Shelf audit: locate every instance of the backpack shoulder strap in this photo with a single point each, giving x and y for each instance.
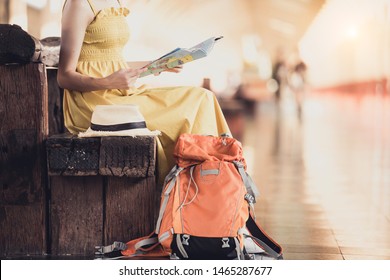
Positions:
(264, 241)
(144, 246)
(249, 184)
(110, 251)
(171, 179)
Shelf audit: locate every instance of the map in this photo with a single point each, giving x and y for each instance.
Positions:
(180, 56)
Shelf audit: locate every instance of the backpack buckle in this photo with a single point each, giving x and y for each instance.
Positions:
(116, 246)
(225, 242)
(185, 239)
(249, 198)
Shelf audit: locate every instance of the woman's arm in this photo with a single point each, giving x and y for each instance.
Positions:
(76, 17)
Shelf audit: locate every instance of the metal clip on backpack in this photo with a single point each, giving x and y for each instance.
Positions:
(206, 209)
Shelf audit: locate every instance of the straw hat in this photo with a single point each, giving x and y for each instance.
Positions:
(117, 120)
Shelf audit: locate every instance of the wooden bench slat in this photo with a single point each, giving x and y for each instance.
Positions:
(70, 155)
(127, 156)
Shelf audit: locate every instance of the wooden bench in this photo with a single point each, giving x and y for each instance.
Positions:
(102, 190)
(62, 195)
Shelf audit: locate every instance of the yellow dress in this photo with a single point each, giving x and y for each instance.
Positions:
(172, 110)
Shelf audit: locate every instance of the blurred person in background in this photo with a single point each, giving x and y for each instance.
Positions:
(279, 74)
(297, 83)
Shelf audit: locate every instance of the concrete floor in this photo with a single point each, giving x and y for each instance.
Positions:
(324, 179)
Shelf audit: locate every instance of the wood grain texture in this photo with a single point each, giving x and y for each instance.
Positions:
(127, 156)
(133, 157)
(56, 114)
(22, 230)
(69, 155)
(23, 129)
(131, 208)
(76, 214)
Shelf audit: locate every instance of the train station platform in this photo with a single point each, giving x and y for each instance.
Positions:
(324, 180)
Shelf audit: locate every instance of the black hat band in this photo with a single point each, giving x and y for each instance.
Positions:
(118, 127)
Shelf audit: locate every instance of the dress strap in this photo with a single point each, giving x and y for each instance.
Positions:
(90, 4)
(63, 6)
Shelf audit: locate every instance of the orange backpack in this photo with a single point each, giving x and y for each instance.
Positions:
(206, 209)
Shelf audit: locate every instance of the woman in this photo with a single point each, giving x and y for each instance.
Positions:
(93, 72)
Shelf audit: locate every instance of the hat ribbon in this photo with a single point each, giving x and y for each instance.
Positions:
(118, 127)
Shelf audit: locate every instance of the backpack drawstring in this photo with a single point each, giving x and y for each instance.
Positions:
(188, 189)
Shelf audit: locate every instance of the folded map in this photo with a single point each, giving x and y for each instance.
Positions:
(180, 56)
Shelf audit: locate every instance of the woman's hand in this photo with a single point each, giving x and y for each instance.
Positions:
(176, 69)
(123, 79)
